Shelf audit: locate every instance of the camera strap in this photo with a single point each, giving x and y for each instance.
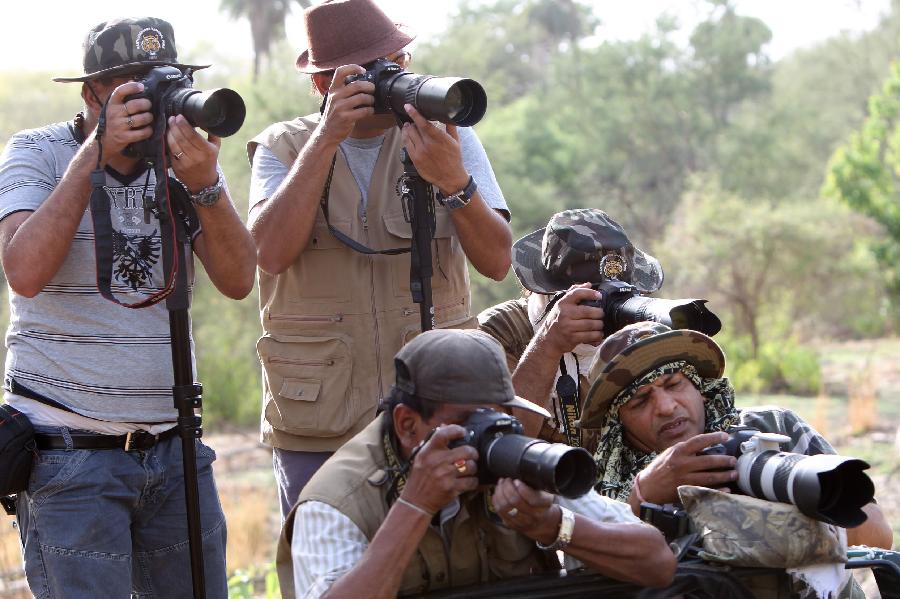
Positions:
(162, 207)
(568, 393)
(345, 239)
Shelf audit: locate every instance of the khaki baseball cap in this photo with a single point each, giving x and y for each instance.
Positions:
(458, 366)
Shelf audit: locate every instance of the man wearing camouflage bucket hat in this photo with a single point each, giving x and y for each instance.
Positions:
(103, 511)
(658, 397)
(549, 337)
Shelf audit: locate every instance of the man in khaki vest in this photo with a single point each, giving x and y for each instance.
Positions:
(333, 318)
(398, 508)
(549, 337)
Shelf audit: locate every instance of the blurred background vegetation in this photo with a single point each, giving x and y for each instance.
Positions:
(764, 186)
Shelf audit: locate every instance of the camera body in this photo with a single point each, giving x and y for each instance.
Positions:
(830, 488)
(671, 520)
(219, 111)
(623, 304)
(377, 71)
(504, 452)
(450, 100)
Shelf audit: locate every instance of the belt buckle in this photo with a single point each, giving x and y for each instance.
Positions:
(138, 440)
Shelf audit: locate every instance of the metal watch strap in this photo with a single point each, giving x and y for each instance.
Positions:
(208, 195)
(460, 198)
(566, 528)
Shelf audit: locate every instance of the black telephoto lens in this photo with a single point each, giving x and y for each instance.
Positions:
(218, 111)
(554, 467)
(450, 100)
(674, 313)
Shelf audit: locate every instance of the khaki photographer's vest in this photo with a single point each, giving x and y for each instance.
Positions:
(334, 319)
(354, 482)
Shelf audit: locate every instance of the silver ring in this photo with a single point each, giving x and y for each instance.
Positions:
(178, 155)
(513, 512)
(130, 123)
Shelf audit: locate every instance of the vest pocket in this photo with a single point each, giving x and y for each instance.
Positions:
(307, 384)
(400, 235)
(319, 273)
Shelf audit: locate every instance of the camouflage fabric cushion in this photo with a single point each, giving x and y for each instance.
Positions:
(745, 531)
(583, 245)
(127, 45)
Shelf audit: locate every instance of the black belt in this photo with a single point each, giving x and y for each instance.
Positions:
(134, 441)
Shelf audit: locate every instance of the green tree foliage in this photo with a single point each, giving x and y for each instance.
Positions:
(774, 271)
(866, 173)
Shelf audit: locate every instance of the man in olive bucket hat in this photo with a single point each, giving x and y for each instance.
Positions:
(103, 512)
(658, 397)
(321, 186)
(549, 338)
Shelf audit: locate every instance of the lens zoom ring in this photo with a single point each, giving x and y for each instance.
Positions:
(783, 475)
(756, 470)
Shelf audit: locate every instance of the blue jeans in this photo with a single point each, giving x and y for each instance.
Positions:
(110, 523)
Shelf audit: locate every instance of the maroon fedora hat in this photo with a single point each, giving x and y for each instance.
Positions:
(340, 32)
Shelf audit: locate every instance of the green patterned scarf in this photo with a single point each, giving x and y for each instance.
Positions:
(618, 463)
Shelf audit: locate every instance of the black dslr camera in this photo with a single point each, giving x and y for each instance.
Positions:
(623, 304)
(827, 487)
(451, 100)
(219, 111)
(504, 452)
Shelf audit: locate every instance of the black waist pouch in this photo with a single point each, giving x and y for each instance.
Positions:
(17, 450)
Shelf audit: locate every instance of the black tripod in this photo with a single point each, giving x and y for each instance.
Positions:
(417, 196)
(187, 396)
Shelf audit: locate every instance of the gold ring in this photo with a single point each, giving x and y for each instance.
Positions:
(178, 155)
(513, 512)
(130, 123)
(460, 466)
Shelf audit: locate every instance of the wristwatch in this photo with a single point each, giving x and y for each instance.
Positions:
(566, 527)
(459, 199)
(208, 195)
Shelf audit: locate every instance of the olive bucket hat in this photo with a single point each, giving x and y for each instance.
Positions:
(583, 245)
(637, 349)
(124, 46)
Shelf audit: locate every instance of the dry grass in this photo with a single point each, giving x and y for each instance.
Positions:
(862, 403)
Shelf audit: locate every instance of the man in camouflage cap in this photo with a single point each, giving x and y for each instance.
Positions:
(104, 510)
(548, 335)
(658, 397)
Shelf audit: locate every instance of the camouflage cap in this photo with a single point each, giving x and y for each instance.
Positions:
(123, 46)
(637, 349)
(458, 366)
(583, 245)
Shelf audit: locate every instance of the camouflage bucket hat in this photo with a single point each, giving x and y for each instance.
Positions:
(583, 245)
(637, 349)
(128, 45)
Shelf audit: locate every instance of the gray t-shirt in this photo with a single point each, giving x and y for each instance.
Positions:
(68, 343)
(361, 154)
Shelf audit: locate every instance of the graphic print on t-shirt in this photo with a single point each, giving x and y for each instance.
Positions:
(134, 257)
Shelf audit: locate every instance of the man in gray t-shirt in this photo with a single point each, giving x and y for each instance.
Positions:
(316, 296)
(103, 512)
